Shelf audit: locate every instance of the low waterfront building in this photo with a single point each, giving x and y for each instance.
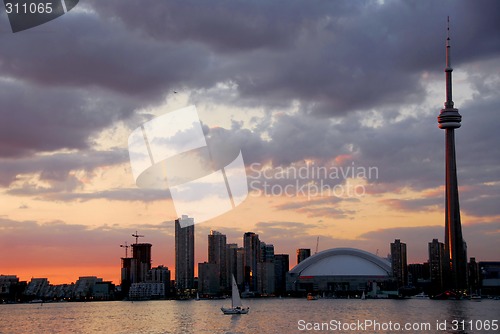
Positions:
(146, 290)
(37, 288)
(489, 275)
(84, 287)
(103, 291)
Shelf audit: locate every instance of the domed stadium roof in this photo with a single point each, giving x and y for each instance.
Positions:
(343, 262)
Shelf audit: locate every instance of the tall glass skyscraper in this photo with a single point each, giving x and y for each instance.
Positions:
(184, 253)
(251, 243)
(399, 262)
(217, 256)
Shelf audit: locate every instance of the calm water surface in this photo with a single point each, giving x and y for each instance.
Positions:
(266, 316)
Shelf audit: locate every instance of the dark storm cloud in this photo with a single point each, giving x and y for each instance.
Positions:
(225, 26)
(88, 52)
(56, 167)
(96, 67)
(61, 87)
(331, 56)
(402, 152)
(481, 200)
(36, 119)
(478, 151)
(406, 153)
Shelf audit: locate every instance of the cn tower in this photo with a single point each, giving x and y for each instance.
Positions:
(449, 119)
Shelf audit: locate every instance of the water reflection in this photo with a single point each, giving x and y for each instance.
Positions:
(266, 316)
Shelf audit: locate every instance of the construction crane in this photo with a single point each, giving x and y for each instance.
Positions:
(126, 249)
(317, 245)
(137, 236)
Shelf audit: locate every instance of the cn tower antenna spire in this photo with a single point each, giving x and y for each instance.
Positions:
(448, 43)
(449, 99)
(448, 33)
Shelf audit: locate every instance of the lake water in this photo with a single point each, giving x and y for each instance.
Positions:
(281, 316)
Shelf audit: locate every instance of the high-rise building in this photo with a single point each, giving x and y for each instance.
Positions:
(438, 265)
(419, 273)
(302, 254)
(140, 262)
(399, 262)
(184, 253)
(265, 278)
(251, 244)
(265, 269)
(126, 275)
(281, 267)
(473, 275)
(160, 274)
(266, 252)
(449, 119)
(208, 278)
(240, 266)
(231, 263)
(217, 256)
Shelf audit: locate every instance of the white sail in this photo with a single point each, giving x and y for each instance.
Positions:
(235, 297)
(236, 305)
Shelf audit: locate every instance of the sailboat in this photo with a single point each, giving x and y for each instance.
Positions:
(236, 305)
(363, 297)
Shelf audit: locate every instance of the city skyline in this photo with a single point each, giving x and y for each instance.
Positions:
(139, 262)
(337, 276)
(341, 87)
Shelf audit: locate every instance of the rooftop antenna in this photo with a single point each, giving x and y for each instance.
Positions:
(137, 236)
(126, 249)
(317, 245)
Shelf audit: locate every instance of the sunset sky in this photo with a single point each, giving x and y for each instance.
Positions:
(339, 85)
